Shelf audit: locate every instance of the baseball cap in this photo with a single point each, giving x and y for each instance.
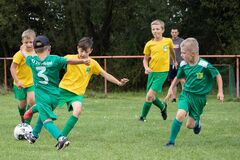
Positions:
(40, 41)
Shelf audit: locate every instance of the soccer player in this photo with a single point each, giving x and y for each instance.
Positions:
(75, 81)
(45, 69)
(156, 62)
(199, 76)
(22, 75)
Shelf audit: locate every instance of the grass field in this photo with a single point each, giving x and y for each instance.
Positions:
(108, 129)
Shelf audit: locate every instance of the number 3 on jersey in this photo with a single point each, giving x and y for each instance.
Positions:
(41, 70)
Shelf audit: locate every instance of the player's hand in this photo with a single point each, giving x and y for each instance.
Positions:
(19, 85)
(220, 97)
(123, 81)
(23, 48)
(148, 70)
(169, 94)
(86, 61)
(175, 65)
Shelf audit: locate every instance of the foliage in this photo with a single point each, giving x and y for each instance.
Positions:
(120, 27)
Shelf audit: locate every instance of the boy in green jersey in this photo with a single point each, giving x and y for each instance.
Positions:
(199, 76)
(75, 81)
(45, 69)
(156, 61)
(23, 86)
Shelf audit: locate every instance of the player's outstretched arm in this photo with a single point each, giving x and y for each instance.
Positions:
(114, 80)
(220, 95)
(78, 61)
(170, 90)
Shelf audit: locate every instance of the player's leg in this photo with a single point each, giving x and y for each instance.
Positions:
(32, 137)
(176, 126)
(157, 85)
(22, 108)
(195, 111)
(20, 95)
(194, 124)
(183, 109)
(31, 102)
(77, 109)
(147, 104)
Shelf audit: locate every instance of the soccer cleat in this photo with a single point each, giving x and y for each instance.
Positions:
(28, 114)
(197, 129)
(141, 119)
(63, 142)
(164, 111)
(169, 145)
(30, 138)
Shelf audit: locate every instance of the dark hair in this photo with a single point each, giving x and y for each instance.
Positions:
(175, 28)
(85, 42)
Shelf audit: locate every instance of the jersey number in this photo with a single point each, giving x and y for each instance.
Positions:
(40, 74)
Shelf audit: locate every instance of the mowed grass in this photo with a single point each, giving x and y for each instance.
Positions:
(108, 129)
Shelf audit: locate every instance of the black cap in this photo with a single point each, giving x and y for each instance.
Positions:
(41, 41)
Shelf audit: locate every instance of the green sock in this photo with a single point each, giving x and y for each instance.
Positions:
(30, 119)
(176, 125)
(146, 108)
(37, 128)
(21, 113)
(52, 129)
(69, 125)
(196, 123)
(34, 109)
(158, 103)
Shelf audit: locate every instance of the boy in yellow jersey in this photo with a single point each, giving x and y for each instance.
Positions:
(23, 81)
(75, 81)
(156, 62)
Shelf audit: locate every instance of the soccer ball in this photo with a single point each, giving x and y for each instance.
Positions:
(21, 129)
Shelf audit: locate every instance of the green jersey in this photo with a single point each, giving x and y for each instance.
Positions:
(199, 78)
(46, 73)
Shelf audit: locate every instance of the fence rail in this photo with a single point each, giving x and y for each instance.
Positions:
(236, 57)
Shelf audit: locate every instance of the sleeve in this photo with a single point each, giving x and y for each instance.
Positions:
(96, 68)
(212, 70)
(147, 50)
(171, 45)
(62, 62)
(18, 57)
(180, 73)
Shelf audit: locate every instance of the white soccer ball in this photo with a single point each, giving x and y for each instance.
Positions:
(21, 129)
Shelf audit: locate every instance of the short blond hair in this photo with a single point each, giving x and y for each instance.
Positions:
(191, 45)
(158, 22)
(29, 33)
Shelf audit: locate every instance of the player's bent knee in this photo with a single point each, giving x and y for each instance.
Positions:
(180, 116)
(77, 111)
(190, 125)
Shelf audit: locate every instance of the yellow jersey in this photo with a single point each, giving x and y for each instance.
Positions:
(159, 52)
(77, 77)
(23, 71)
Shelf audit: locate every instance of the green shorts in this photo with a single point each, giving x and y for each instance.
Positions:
(192, 103)
(68, 98)
(46, 103)
(21, 94)
(156, 81)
